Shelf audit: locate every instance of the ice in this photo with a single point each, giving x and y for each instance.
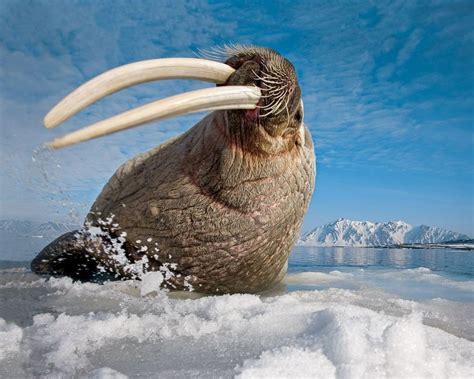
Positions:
(416, 284)
(425, 275)
(315, 278)
(60, 328)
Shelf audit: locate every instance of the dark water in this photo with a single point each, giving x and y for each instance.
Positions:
(444, 260)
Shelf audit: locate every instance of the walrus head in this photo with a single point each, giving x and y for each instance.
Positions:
(257, 86)
(279, 112)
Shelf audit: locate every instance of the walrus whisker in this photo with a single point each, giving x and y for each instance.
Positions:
(268, 76)
(274, 90)
(134, 73)
(287, 110)
(267, 97)
(287, 114)
(273, 95)
(274, 85)
(272, 110)
(270, 80)
(273, 106)
(276, 93)
(228, 97)
(264, 77)
(277, 85)
(273, 103)
(279, 109)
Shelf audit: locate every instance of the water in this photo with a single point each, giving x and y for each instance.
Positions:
(341, 313)
(443, 260)
(412, 274)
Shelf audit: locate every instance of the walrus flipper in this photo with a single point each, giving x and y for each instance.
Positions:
(68, 255)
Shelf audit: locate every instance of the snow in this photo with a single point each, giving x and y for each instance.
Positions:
(350, 327)
(106, 373)
(354, 343)
(10, 337)
(284, 362)
(345, 232)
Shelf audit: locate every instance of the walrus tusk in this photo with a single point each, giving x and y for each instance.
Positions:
(134, 73)
(227, 97)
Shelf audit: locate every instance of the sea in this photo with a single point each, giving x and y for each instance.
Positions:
(340, 313)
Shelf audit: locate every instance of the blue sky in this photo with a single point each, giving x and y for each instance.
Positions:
(387, 86)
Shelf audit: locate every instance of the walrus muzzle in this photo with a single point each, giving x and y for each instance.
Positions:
(216, 209)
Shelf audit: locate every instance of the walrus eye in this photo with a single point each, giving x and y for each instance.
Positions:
(300, 113)
(298, 117)
(208, 99)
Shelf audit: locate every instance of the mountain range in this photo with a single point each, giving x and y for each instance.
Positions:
(344, 232)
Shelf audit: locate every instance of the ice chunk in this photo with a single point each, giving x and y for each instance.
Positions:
(151, 282)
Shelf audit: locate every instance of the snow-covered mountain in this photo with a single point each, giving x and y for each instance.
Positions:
(343, 232)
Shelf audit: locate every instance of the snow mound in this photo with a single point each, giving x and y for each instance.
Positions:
(350, 342)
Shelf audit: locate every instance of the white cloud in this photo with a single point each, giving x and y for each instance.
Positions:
(407, 50)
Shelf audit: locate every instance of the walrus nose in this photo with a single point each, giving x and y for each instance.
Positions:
(209, 99)
(246, 73)
(276, 88)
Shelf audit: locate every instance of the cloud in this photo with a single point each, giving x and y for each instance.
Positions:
(407, 50)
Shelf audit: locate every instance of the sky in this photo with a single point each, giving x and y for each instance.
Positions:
(388, 88)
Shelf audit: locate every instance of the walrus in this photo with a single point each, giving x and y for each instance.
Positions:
(216, 209)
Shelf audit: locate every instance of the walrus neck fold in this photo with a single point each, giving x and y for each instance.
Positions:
(219, 161)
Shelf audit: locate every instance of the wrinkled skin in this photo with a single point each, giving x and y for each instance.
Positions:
(220, 206)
